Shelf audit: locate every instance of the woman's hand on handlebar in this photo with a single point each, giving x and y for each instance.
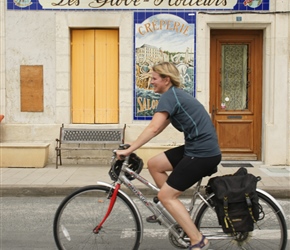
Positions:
(121, 154)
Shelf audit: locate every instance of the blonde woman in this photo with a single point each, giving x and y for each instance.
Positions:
(198, 157)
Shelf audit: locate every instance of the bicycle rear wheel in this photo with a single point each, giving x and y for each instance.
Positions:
(80, 212)
(270, 234)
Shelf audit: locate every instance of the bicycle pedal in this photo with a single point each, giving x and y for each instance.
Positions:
(152, 219)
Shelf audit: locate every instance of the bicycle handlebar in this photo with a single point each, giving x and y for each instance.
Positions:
(132, 161)
(122, 147)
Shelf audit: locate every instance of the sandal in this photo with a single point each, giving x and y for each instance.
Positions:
(201, 245)
(152, 219)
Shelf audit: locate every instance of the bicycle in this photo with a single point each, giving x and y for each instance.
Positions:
(103, 216)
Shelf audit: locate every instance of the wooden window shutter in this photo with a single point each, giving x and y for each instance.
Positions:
(107, 76)
(82, 69)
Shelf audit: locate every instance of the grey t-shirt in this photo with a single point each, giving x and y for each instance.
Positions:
(189, 116)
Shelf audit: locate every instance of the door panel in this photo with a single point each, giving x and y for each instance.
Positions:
(107, 75)
(237, 135)
(236, 92)
(82, 78)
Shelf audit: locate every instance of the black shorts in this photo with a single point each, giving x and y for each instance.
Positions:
(188, 170)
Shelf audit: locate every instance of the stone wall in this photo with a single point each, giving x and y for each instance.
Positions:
(43, 38)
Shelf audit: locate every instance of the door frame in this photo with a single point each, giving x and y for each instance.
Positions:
(218, 37)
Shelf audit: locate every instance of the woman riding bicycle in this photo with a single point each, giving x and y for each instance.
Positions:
(198, 157)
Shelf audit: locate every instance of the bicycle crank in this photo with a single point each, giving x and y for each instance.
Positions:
(174, 242)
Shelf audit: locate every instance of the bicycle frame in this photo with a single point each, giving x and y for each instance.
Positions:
(149, 204)
(196, 190)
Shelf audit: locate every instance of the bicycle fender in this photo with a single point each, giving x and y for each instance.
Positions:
(272, 199)
(130, 200)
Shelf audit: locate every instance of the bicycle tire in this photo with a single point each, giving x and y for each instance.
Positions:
(270, 234)
(80, 212)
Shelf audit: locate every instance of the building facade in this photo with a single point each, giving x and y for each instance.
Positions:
(87, 64)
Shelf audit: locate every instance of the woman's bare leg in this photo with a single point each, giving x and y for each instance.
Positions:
(169, 198)
(157, 166)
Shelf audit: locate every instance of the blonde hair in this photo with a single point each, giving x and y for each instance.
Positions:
(167, 69)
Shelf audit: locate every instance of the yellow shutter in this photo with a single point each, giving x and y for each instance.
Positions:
(82, 69)
(95, 76)
(107, 76)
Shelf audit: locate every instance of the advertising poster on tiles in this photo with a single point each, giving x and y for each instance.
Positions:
(161, 37)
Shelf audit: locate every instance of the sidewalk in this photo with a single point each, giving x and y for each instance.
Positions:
(49, 181)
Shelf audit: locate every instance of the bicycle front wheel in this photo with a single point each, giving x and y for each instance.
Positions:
(79, 214)
(269, 233)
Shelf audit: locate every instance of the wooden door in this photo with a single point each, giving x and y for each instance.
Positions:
(95, 76)
(236, 92)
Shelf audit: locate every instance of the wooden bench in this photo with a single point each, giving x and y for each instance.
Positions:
(87, 136)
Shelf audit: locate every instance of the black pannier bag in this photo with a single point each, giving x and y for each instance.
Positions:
(236, 201)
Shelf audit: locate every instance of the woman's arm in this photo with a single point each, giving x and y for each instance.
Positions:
(158, 123)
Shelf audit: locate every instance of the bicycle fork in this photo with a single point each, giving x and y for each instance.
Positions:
(111, 205)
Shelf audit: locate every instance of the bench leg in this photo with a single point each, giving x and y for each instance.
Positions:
(60, 161)
(58, 157)
(56, 160)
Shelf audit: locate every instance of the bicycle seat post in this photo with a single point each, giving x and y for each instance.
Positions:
(196, 192)
(198, 186)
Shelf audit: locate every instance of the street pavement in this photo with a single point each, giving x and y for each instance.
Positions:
(49, 181)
